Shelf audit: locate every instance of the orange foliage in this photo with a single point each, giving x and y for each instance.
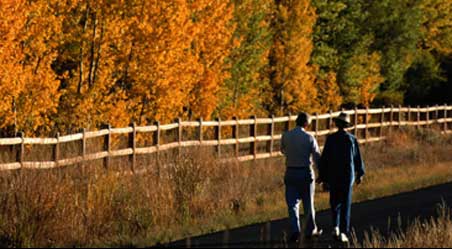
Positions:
(211, 45)
(329, 92)
(292, 76)
(158, 64)
(28, 85)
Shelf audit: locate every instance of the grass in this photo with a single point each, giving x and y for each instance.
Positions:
(433, 233)
(87, 206)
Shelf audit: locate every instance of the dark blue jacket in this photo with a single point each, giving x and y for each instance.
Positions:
(341, 160)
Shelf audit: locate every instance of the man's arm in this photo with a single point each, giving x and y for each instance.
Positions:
(323, 164)
(359, 164)
(315, 151)
(283, 145)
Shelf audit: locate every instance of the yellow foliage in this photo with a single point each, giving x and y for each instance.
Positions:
(437, 25)
(329, 93)
(212, 44)
(28, 85)
(364, 78)
(293, 77)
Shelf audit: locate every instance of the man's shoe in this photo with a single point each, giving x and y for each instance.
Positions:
(343, 238)
(316, 233)
(336, 233)
(294, 238)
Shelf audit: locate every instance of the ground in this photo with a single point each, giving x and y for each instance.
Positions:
(385, 214)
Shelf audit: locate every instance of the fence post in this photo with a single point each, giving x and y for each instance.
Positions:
(356, 122)
(330, 121)
(236, 135)
(83, 145)
(179, 136)
(21, 152)
(418, 117)
(436, 115)
(446, 126)
(288, 126)
(156, 143)
(56, 155)
(200, 132)
(107, 147)
(428, 116)
(133, 145)
(218, 137)
(271, 132)
(382, 120)
(391, 119)
(253, 133)
(400, 117)
(316, 126)
(409, 116)
(366, 133)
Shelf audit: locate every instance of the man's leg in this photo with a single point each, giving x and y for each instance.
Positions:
(335, 206)
(309, 209)
(293, 197)
(346, 211)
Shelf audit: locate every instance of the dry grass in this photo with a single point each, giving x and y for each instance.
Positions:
(83, 206)
(433, 233)
(88, 206)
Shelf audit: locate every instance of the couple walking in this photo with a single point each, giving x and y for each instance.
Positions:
(340, 166)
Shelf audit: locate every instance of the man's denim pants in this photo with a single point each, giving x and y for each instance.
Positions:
(341, 201)
(300, 186)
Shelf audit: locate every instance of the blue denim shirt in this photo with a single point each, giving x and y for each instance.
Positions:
(341, 160)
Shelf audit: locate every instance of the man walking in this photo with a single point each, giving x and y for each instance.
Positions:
(340, 165)
(298, 146)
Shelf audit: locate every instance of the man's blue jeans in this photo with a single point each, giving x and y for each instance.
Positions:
(341, 201)
(300, 186)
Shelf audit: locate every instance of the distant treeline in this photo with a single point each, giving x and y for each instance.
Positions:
(65, 65)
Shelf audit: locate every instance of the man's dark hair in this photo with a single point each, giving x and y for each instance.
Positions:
(303, 119)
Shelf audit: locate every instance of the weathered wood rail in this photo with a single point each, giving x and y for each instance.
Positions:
(363, 119)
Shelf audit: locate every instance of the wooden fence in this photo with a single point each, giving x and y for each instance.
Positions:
(365, 120)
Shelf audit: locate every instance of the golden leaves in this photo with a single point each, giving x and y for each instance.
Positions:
(294, 77)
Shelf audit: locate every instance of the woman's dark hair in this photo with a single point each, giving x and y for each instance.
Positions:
(302, 119)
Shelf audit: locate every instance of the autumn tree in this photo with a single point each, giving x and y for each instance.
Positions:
(158, 67)
(328, 91)
(212, 44)
(247, 91)
(28, 85)
(291, 76)
(436, 25)
(344, 47)
(86, 65)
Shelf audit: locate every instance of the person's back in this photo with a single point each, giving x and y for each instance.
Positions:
(298, 146)
(341, 152)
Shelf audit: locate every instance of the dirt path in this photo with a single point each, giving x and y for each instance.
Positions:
(384, 214)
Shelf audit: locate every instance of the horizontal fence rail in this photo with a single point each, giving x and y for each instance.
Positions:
(363, 120)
